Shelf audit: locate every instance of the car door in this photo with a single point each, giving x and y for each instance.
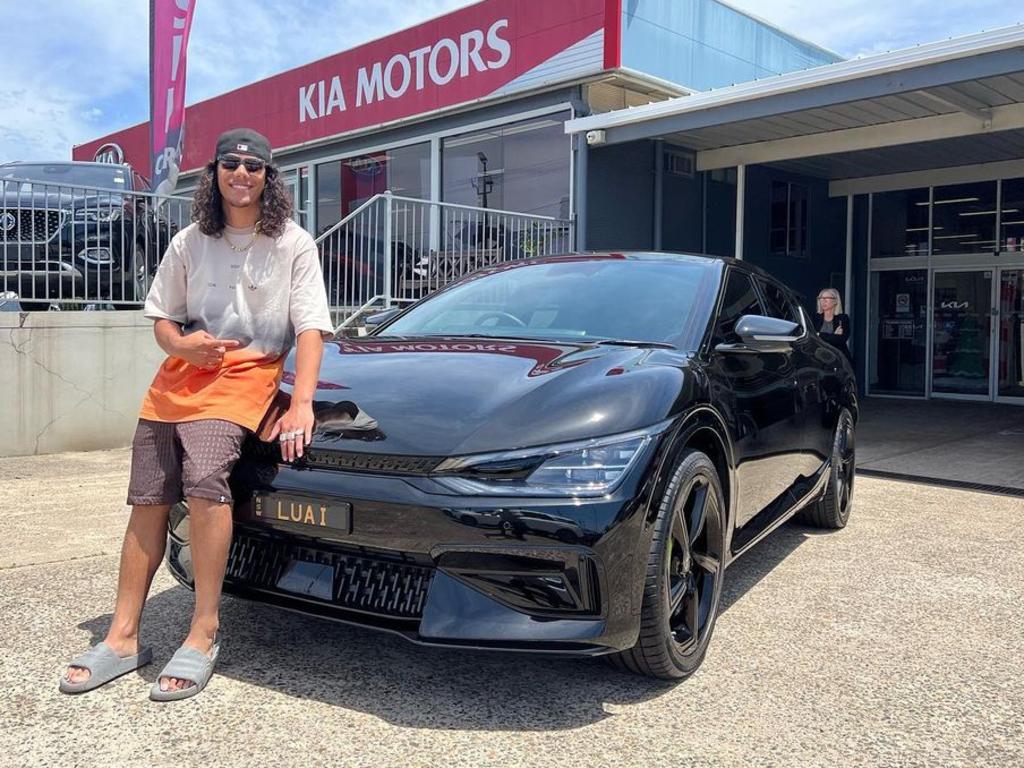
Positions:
(758, 390)
(812, 439)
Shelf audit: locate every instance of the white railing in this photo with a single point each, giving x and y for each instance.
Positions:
(394, 250)
(75, 247)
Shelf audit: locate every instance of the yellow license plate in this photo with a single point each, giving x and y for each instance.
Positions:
(293, 510)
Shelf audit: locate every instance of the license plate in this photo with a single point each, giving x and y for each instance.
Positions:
(305, 512)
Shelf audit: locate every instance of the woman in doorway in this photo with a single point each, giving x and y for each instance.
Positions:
(834, 326)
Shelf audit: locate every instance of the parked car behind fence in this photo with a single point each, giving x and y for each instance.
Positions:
(79, 233)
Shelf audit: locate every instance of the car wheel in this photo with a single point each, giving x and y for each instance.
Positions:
(832, 510)
(683, 582)
(135, 286)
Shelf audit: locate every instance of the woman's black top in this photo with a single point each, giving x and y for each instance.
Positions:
(837, 340)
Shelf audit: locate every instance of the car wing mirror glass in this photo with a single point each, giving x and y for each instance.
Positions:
(758, 333)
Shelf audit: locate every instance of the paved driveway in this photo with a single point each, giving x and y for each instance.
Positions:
(896, 642)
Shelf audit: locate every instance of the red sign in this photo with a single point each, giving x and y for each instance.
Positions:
(171, 22)
(490, 49)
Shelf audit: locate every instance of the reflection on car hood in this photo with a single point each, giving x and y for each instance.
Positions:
(450, 396)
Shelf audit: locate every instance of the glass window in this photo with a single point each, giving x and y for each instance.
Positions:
(569, 300)
(344, 185)
(788, 219)
(779, 304)
(899, 223)
(740, 299)
(964, 218)
(522, 167)
(899, 309)
(1013, 215)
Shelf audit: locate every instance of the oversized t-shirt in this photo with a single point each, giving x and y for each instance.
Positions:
(262, 297)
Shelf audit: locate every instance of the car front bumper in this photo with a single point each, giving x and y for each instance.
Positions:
(542, 575)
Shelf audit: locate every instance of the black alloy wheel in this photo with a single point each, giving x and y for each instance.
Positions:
(683, 584)
(832, 510)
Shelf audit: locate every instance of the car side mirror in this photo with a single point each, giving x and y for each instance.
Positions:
(372, 321)
(763, 334)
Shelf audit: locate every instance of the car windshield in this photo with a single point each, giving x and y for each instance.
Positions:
(592, 299)
(68, 175)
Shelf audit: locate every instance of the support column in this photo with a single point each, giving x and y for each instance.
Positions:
(659, 189)
(580, 199)
(741, 205)
(848, 285)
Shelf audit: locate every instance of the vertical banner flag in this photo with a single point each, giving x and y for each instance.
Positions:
(170, 21)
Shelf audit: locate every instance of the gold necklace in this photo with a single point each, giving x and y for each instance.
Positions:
(247, 246)
(241, 249)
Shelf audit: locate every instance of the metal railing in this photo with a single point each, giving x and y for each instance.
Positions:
(75, 247)
(394, 250)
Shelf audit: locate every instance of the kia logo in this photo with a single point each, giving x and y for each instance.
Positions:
(7, 222)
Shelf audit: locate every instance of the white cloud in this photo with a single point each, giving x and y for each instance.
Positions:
(73, 71)
(862, 27)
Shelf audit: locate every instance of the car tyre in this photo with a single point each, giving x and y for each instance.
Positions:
(832, 510)
(683, 580)
(135, 286)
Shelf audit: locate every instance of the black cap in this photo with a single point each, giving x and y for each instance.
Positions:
(244, 140)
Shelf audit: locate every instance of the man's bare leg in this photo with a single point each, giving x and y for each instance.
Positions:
(210, 539)
(141, 554)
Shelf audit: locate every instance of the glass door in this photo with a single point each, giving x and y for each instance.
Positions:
(1010, 336)
(961, 333)
(898, 332)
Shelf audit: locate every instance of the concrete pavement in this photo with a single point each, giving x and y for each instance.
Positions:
(895, 642)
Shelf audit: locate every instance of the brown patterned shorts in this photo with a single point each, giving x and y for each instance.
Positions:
(172, 461)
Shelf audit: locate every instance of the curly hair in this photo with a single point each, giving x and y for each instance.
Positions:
(208, 205)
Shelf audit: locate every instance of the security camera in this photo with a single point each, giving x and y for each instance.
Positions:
(595, 138)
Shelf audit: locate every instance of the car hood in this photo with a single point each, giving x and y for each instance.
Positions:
(454, 396)
(42, 197)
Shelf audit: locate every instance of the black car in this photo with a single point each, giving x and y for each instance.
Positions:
(560, 455)
(76, 230)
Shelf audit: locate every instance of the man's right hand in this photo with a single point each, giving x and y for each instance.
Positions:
(203, 350)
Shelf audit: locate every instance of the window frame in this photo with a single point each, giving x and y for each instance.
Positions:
(793, 229)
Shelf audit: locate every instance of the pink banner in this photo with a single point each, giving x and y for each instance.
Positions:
(170, 22)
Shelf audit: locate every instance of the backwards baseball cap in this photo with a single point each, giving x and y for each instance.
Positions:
(244, 140)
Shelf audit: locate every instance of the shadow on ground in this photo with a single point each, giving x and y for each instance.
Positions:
(414, 686)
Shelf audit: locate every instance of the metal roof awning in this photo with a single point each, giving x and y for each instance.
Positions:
(940, 105)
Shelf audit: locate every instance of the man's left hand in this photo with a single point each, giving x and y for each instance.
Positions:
(294, 431)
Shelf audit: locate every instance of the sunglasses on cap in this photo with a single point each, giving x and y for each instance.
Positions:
(231, 163)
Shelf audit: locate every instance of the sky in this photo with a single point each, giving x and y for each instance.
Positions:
(74, 70)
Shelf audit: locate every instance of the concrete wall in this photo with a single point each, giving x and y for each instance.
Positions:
(73, 381)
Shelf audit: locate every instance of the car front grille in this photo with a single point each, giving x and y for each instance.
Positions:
(385, 587)
(27, 226)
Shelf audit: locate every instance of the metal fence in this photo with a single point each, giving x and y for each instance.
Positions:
(73, 247)
(393, 250)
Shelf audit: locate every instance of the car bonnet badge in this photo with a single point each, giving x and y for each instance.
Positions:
(7, 221)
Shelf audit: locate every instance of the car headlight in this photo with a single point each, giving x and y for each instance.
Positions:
(585, 468)
(99, 215)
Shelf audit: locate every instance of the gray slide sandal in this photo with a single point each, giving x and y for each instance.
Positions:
(187, 664)
(104, 665)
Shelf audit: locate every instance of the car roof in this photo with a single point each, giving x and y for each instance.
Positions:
(122, 166)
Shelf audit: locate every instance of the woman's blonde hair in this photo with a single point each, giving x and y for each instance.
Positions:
(838, 308)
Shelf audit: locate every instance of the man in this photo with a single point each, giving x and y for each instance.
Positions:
(235, 289)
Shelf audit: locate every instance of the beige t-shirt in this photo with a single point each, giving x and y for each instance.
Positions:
(263, 297)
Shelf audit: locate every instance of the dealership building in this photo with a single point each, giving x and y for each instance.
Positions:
(687, 125)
